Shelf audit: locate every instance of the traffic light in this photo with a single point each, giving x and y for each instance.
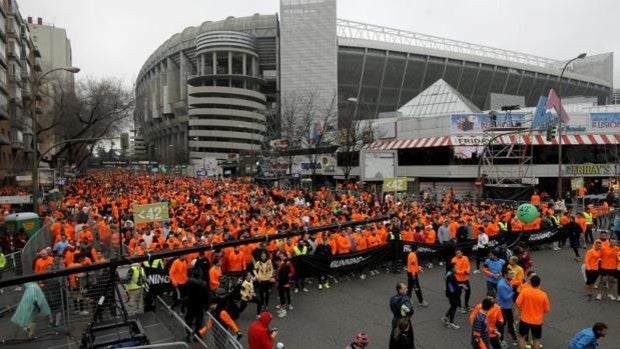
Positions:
(550, 133)
(124, 141)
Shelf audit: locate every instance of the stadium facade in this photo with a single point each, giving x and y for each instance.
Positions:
(215, 89)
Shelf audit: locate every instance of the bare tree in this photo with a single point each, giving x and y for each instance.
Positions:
(97, 108)
(350, 140)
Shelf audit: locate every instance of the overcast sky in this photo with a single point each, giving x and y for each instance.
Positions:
(115, 37)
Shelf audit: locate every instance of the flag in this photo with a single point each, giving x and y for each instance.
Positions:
(553, 101)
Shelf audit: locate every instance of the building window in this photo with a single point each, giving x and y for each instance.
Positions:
(237, 63)
(208, 68)
(222, 62)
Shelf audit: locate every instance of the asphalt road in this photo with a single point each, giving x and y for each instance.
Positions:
(331, 318)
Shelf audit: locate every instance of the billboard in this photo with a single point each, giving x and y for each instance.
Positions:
(605, 121)
(150, 213)
(377, 165)
(480, 122)
(395, 184)
(590, 170)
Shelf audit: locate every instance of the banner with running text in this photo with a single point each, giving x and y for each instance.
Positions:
(310, 265)
(157, 280)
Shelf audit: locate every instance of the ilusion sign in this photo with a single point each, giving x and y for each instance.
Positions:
(605, 121)
(590, 170)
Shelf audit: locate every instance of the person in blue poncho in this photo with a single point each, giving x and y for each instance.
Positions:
(32, 305)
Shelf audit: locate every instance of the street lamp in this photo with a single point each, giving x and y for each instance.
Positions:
(35, 141)
(559, 188)
(172, 155)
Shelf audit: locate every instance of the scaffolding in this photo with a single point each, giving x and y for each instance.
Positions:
(506, 160)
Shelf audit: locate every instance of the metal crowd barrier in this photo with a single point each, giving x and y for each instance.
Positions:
(41, 239)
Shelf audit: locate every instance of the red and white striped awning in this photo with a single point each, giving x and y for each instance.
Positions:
(590, 139)
(444, 141)
(409, 143)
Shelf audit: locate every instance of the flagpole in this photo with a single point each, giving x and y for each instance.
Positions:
(560, 109)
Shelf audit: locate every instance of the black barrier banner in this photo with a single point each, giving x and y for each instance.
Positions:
(306, 266)
(158, 280)
(528, 238)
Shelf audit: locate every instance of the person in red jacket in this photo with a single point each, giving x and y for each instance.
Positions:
(259, 334)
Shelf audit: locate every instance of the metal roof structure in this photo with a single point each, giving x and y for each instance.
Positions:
(365, 31)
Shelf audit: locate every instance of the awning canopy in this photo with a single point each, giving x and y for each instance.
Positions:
(472, 140)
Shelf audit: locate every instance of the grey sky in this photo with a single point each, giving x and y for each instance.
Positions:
(115, 37)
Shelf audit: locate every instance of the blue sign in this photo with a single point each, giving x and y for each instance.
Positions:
(61, 181)
(201, 173)
(605, 121)
(480, 122)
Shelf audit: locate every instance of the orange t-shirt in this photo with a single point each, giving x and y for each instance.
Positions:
(412, 263)
(592, 258)
(463, 268)
(493, 316)
(533, 303)
(609, 257)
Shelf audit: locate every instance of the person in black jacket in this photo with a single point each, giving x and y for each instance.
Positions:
(323, 250)
(453, 293)
(284, 278)
(573, 231)
(197, 293)
(402, 336)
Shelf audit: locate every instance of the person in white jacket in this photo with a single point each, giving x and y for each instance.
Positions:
(482, 247)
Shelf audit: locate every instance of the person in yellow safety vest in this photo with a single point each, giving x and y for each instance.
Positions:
(136, 280)
(301, 249)
(155, 263)
(556, 224)
(503, 225)
(2, 266)
(589, 238)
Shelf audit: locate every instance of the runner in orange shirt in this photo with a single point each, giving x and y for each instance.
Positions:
(462, 271)
(533, 304)
(413, 270)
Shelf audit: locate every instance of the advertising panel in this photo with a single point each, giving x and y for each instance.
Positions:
(589, 170)
(480, 122)
(395, 184)
(150, 213)
(377, 165)
(605, 122)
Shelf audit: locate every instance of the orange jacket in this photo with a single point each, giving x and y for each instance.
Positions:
(178, 272)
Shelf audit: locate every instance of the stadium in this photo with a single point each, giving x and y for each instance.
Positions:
(215, 89)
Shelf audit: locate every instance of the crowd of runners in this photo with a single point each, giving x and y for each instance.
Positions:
(94, 222)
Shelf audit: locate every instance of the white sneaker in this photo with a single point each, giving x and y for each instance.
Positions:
(424, 304)
(363, 276)
(326, 285)
(278, 307)
(453, 326)
(296, 290)
(611, 297)
(84, 312)
(320, 287)
(282, 313)
(557, 249)
(476, 271)
(441, 264)
(598, 297)
(290, 307)
(305, 289)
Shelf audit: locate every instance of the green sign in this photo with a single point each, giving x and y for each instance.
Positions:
(150, 213)
(395, 184)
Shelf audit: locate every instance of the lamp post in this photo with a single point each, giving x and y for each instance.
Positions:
(35, 141)
(559, 188)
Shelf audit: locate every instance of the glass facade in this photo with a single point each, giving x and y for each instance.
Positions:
(383, 80)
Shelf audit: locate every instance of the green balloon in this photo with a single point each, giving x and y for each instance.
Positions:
(527, 213)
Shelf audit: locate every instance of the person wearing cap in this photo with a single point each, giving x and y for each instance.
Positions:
(135, 280)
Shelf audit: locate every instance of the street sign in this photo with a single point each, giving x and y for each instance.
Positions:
(60, 181)
(150, 213)
(201, 173)
(395, 184)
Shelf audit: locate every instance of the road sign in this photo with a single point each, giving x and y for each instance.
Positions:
(201, 173)
(395, 184)
(150, 213)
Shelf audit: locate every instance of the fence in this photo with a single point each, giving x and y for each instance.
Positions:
(41, 239)
(215, 337)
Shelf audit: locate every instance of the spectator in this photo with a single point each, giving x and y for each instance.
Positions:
(588, 337)
(260, 336)
(402, 336)
(360, 342)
